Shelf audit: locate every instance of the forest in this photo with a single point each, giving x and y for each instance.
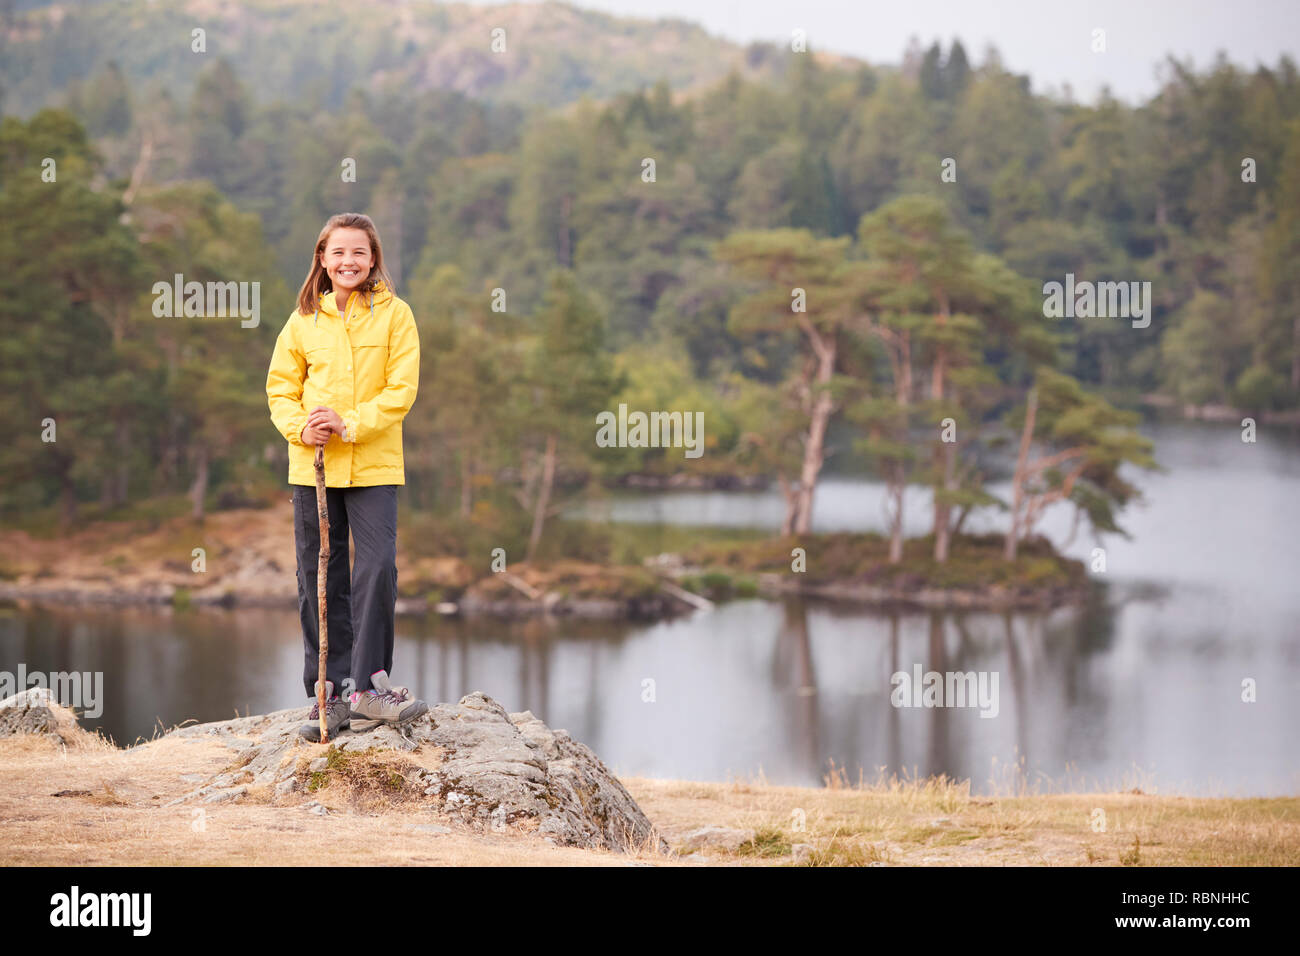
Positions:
(841, 266)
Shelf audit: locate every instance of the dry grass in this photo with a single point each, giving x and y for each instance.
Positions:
(111, 812)
(937, 822)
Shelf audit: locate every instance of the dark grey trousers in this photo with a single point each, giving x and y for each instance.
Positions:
(359, 608)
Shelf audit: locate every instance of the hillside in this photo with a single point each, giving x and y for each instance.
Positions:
(299, 50)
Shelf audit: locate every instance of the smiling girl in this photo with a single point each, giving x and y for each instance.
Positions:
(343, 375)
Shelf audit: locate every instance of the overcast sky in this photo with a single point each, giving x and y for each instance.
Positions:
(1051, 40)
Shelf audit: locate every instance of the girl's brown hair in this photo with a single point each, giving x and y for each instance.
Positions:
(318, 281)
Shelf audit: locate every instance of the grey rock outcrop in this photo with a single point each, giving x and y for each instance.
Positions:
(493, 771)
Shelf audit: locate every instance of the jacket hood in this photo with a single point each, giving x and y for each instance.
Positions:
(368, 299)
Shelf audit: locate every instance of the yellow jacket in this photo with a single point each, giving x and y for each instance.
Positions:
(366, 367)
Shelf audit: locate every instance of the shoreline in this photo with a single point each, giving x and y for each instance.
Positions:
(652, 608)
(1215, 412)
(242, 558)
(935, 599)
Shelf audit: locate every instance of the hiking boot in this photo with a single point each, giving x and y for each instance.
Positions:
(337, 715)
(386, 703)
(380, 682)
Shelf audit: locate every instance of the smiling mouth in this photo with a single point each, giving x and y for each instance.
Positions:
(348, 273)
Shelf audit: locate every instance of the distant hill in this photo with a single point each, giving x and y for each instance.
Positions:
(316, 50)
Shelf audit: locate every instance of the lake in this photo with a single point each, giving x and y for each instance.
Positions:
(1141, 688)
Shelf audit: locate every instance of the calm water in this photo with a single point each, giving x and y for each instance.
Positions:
(1143, 688)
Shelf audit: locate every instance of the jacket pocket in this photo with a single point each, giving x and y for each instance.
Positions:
(370, 362)
(370, 339)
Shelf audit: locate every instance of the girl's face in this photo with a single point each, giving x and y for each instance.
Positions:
(347, 260)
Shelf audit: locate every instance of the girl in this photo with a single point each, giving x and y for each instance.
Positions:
(344, 374)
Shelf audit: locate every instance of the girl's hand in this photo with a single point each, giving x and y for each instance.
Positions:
(314, 436)
(327, 419)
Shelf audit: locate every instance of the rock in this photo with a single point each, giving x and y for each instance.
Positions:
(667, 562)
(227, 795)
(319, 764)
(37, 712)
(801, 852)
(493, 770)
(723, 838)
(286, 787)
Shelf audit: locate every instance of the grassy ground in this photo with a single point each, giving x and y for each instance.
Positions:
(938, 823)
(111, 813)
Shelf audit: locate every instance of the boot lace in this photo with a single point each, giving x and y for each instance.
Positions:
(332, 703)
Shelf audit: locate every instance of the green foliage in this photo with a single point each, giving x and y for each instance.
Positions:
(720, 585)
(55, 310)
(1083, 442)
(569, 374)
(1193, 352)
(1259, 387)
(773, 171)
(657, 379)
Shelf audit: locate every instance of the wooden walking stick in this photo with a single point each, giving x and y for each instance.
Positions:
(322, 576)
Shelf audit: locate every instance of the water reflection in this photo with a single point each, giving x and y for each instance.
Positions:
(1140, 687)
(752, 687)
(794, 680)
